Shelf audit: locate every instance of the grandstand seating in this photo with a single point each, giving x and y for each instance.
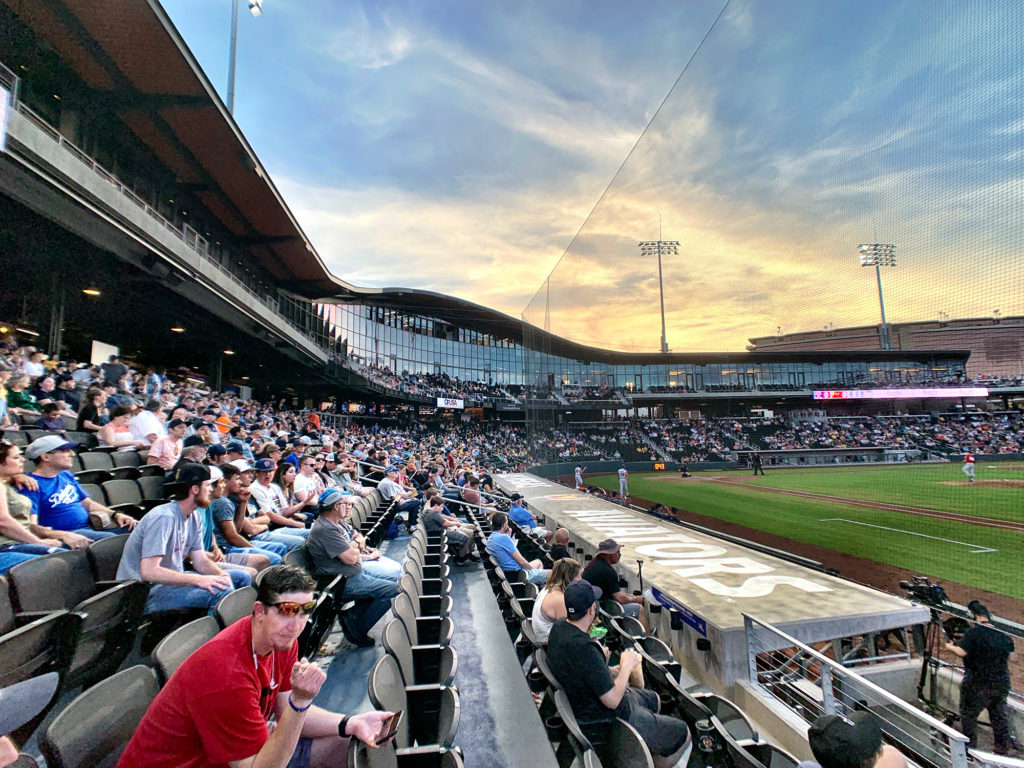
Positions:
(177, 646)
(111, 612)
(93, 730)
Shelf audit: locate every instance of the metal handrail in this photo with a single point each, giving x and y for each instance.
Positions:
(831, 670)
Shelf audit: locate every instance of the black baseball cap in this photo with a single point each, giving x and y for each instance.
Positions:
(579, 596)
(192, 440)
(192, 474)
(837, 740)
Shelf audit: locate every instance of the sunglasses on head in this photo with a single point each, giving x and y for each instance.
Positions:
(294, 609)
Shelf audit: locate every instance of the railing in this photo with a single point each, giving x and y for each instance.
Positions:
(188, 236)
(812, 684)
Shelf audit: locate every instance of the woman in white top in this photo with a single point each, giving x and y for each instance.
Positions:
(549, 606)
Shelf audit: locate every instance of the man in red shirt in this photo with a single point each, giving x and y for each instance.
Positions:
(244, 698)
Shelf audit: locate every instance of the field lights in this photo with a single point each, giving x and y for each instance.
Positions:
(879, 255)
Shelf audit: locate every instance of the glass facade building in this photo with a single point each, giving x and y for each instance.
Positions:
(381, 337)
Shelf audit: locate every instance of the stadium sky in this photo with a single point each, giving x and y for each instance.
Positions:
(460, 146)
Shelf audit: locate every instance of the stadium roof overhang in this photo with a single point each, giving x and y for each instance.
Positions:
(136, 65)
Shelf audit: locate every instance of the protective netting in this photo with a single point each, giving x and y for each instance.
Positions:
(797, 132)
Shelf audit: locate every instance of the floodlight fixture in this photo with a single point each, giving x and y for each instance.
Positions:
(879, 255)
(659, 247)
(256, 9)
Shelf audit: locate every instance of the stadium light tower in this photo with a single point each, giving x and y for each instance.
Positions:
(879, 255)
(256, 9)
(659, 247)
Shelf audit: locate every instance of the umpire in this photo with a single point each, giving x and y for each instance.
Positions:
(986, 683)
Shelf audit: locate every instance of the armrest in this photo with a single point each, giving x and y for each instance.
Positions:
(103, 586)
(27, 617)
(132, 510)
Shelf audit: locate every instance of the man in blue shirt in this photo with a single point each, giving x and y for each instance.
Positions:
(524, 518)
(59, 503)
(501, 545)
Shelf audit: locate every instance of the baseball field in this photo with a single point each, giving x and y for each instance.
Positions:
(924, 518)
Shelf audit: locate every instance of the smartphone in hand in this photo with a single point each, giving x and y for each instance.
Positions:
(389, 728)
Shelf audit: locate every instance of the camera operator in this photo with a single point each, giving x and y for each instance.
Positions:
(986, 682)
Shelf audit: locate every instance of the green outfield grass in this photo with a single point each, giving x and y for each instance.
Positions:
(944, 550)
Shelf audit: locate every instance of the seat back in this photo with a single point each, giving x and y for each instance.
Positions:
(94, 729)
(540, 658)
(51, 582)
(126, 459)
(45, 645)
(171, 652)
(396, 643)
(402, 608)
(577, 740)
(6, 609)
(105, 555)
(300, 558)
(108, 632)
(387, 691)
(96, 460)
(625, 748)
(122, 492)
(93, 491)
(152, 487)
(234, 606)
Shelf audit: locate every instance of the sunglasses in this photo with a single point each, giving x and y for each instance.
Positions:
(294, 609)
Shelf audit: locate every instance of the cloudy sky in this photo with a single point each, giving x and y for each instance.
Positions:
(475, 147)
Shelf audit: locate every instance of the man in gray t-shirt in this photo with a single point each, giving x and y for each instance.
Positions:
(334, 551)
(328, 539)
(156, 550)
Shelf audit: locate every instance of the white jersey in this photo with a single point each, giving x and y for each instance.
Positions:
(579, 476)
(622, 475)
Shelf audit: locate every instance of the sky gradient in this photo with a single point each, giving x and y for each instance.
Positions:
(461, 147)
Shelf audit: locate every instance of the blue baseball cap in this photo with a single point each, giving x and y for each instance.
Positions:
(330, 498)
(265, 465)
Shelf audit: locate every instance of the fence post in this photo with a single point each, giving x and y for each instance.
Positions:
(828, 696)
(748, 626)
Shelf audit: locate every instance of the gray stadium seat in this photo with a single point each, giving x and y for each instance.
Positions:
(105, 556)
(33, 645)
(419, 664)
(422, 630)
(96, 460)
(172, 651)
(112, 611)
(93, 730)
(234, 606)
(431, 711)
(625, 748)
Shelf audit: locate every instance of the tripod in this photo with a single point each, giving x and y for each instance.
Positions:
(930, 640)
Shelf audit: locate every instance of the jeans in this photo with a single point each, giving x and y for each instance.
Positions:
(291, 541)
(366, 613)
(274, 555)
(168, 597)
(385, 568)
(10, 558)
(411, 510)
(91, 533)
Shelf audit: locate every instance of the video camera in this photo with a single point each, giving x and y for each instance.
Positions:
(922, 590)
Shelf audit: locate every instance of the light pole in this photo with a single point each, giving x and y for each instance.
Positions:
(879, 255)
(659, 247)
(256, 9)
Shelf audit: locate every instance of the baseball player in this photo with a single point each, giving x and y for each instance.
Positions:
(623, 482)
(968, 465)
